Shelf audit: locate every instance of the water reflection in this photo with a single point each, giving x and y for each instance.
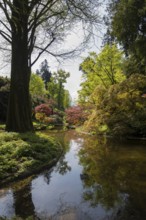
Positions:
(6, 203)
(115, 174)
(23, 203)
(97, 179)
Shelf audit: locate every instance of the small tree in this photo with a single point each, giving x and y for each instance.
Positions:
(37, 86)
(56, 87)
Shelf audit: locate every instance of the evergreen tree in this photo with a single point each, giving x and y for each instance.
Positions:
(44, 72)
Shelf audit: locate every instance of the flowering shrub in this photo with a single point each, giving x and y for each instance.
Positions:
(44, 108)
(40, 116)
(75, 115)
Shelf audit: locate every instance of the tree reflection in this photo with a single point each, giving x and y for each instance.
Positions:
(23, 203)
(114, 175)
(62, 167)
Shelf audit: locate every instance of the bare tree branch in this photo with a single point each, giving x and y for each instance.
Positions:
(5, 36)
(42, 50)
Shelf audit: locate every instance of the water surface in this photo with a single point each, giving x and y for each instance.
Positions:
(96, 179)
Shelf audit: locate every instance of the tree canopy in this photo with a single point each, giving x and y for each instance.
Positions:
(37, 86)
(127, 24)
(56, 88)
(104, 69)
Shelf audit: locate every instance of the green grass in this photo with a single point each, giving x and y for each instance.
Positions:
(23, 154)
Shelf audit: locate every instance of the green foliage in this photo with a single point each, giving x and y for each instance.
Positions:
(121, 108)
(37, 86)
(113, 169)
(56, 88)
(102, 69)
(24, 153)
(128, 27)
(67, 99)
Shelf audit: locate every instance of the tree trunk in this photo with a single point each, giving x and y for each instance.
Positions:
(19, 117)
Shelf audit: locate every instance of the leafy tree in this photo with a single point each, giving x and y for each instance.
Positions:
(128, 26)
(120, 110)
(37, 87)
(56, 87)
(67, 99)
(21, 25)
(44, 72)
(102, 69)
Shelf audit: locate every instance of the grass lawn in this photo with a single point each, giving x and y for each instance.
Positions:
(24, 154)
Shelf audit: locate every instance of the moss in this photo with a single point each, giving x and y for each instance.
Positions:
(23, 154)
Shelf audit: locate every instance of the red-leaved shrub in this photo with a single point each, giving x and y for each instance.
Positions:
(44, 108)
(75, 115)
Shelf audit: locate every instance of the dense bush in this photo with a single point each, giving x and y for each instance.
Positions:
(45, 113)
(121, 110)
(25, 153)
(44, 108)
(75, 115)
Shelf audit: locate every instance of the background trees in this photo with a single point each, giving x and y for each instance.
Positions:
(115, 99)
(127, 25)
(112, 83)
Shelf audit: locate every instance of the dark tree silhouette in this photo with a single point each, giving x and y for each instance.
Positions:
(44, 72)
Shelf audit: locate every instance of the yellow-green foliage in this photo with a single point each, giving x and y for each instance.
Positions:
(107, 164)
(20, 153)
(103, 69)
(121, 108)
(37, 86)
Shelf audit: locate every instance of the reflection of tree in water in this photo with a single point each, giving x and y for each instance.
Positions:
(65, 139)
(23, 203)
(62, 166)
(114, 176)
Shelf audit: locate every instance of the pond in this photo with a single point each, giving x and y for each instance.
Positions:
(96, 179)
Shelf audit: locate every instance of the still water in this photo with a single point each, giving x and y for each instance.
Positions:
(96, 179)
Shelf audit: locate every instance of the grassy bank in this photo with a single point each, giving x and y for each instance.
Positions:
(25, 154)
